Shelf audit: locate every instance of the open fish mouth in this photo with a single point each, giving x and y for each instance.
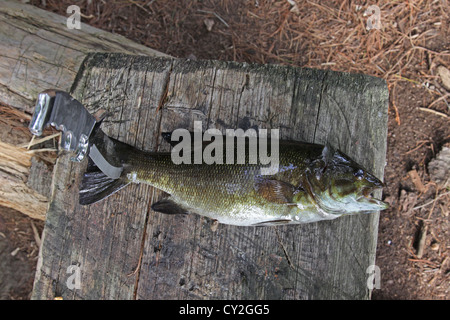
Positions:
(366, 197)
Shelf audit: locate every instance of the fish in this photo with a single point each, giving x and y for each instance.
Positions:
(313, 182)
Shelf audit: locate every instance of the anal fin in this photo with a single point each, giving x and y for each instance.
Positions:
(273, 223)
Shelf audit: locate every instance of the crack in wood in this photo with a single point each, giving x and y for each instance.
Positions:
(280, 242)
(322, 89)
(161, 103)
(211, 97)
(137, 271)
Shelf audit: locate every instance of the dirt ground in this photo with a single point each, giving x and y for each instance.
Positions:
(409, 50)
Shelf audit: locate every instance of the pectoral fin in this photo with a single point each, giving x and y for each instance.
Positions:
(169, 206)
(276, 191)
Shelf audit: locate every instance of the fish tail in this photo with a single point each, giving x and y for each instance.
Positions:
(96, 185)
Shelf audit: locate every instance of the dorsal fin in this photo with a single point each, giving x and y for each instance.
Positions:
(167, 136)
(327, 153)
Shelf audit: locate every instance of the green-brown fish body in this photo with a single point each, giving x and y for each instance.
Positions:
(313, 183)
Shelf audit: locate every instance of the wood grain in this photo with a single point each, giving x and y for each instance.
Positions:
(38, 51)
(16, 185)
(126, 251)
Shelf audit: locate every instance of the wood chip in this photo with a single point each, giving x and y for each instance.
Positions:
(209, 24)
(417, 181)
(421, 241)
(15, 252)
(37, 237)
(444, 74)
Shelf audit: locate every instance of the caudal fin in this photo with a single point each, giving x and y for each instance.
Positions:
(96, 186)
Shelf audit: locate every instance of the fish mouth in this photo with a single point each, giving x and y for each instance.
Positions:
(366, 197)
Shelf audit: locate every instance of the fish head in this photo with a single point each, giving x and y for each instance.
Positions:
(341, 186)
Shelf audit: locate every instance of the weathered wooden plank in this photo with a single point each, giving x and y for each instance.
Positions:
(172, 257)
(38, 51)
(15, 192)
(103, 240)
